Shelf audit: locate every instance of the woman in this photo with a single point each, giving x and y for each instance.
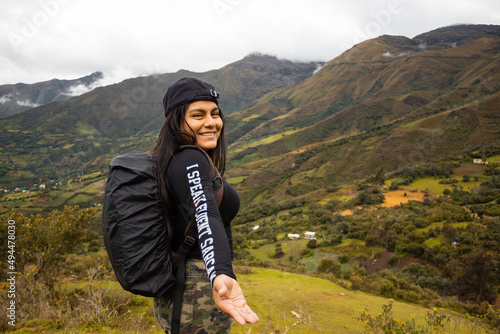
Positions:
(193, 117)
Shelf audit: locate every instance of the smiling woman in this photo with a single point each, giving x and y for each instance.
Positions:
(194, 123)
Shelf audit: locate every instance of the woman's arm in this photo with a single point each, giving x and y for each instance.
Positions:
(191, 181)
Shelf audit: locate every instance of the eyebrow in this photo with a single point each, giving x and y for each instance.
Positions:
(202, 110)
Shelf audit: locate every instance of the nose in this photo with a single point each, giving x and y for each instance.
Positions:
(209, 121)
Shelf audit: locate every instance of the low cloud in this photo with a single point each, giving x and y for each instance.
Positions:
(4, 99)
(401, 54)
(27, 103)
(116, 75)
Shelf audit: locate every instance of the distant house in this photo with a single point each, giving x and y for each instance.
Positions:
(256, 227)
(480, 161)
(42, 186)
(310, 235)
(293, 236)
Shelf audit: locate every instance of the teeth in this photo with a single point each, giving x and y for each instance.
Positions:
(207, 134)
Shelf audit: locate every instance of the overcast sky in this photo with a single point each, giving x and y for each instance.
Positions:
(68, 39)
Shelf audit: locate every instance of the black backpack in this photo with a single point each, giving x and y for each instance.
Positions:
(135, 234)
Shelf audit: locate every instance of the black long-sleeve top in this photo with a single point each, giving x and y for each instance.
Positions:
(191, 184)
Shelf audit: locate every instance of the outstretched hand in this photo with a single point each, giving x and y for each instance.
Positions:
(229, 298)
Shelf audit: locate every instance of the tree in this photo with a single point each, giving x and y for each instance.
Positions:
(45, 243)
(311, 244)
(331, 266)
(476, 281)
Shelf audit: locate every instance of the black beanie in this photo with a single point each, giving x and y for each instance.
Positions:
(187, 90)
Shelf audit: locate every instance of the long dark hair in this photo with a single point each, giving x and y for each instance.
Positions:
(172, 136)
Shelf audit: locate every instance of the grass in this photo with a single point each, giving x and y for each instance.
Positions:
(290, 248)
(432, 185)
(249, 118)
(495, 159)
(236, 179)
(396, 197)
(263, 141)
(354, 247)
(312, 262)
(434, 241)
(273, 295)
(72, 193)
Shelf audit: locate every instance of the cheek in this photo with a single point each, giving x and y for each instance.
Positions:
(189, 125)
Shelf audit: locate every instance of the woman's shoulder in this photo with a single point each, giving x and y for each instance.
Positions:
(190, 152)
(186, 157)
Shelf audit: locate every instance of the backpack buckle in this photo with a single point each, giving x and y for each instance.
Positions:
(189, 241)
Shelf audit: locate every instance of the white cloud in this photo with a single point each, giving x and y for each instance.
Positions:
(4, 99)
(27, 103)
(117, 74)
(67, 39)
(401, 54)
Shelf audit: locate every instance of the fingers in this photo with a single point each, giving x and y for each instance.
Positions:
(249, 315)
(243, 315)
(229, 298)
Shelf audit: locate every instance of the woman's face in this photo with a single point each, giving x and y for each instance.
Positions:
(205, 122)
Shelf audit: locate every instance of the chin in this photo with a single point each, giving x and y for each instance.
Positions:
(207, 147)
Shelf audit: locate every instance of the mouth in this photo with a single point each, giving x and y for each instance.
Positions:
(207, 134)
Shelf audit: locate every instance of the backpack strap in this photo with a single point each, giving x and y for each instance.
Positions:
(190, 239)
(183, 251)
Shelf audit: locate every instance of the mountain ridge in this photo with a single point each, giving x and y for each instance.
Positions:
(60, 138)
(341, 121)
(20, 97)
(383, 97)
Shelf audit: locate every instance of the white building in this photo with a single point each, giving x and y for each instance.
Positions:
(310, 235)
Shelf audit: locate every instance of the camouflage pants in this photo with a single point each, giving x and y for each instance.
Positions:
(199, 314)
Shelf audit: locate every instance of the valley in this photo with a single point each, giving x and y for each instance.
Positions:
(392, 163)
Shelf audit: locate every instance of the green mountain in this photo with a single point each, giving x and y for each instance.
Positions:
(20, 97)
(81, 134)
(384, 104)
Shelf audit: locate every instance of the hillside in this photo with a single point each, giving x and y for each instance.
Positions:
(386, 103)
(20, 97)
(376, 175)
(81, 134)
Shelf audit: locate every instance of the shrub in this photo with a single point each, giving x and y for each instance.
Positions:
(394, 259)
(306, 253)
(394, 185)
(45, 243)
(386, 287)
(385, 322)
(329, 266)
(344, 258)
(312, 244)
